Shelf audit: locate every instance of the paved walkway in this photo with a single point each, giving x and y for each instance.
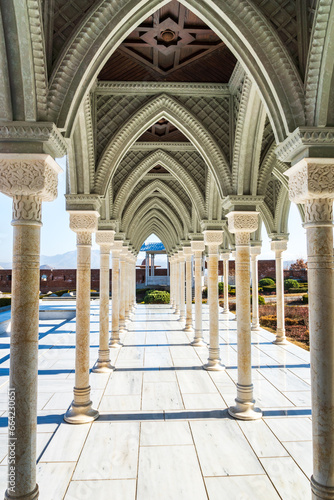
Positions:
(164, 433)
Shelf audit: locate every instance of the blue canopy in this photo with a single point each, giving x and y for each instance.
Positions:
(152, 247)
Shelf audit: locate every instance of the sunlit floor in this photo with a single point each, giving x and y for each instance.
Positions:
(164, 432)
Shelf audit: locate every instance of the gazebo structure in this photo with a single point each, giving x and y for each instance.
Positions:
(151, 249)
(195, 121)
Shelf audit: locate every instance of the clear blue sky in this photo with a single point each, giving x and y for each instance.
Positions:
(57, 238)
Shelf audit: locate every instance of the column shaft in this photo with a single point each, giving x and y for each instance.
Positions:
(182, 289)
(280, 332)
(24, 358)
(198, 338)
(255, 288)
(115, 339)
(189, 319)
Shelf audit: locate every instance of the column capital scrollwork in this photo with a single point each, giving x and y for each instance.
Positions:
(213, 237)
(104, 238)
(311, 178)
(279, 245)
(242, 222)
(29, 179)
(197, 246)
(29, 175)
(84, 223)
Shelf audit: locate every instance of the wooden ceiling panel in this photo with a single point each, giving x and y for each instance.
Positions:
(171, 45)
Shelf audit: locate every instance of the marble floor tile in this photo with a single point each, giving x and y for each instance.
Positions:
(124, 383)
(120, 403)
(117, 489)
(169, 473)
(261, 439)
(53, 479)
(66, 444)
(291, 428)
(165, 434)
(161, 396)
(288, 479)
(110, 451)
(203, 401)
(240, 488)
(195, 382)
(302, 453)
(220, 446)
(299, 398)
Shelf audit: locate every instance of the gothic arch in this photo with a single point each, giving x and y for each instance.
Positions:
(148, 191)
(320, 67)
(170, 164)
(238, 23)
(160, 221)
(157, 204)
(163, 106)
(160, 230)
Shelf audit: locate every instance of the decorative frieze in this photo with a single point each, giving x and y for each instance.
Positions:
(83, 202)
(174, 88)
(302, 139)
(41, 132)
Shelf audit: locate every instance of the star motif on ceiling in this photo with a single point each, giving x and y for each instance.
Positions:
(156, 37)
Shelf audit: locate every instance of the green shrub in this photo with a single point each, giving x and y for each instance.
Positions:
(205, 293)
(156, 297)
(298, 290)
(261, 300)
(269, 289)
(267, 282)
(221, 288)
(290, 284)
(5, 301)
(305, 299)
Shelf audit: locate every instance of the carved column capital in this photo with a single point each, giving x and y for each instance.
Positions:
(311, 178)
(242, 224)
(197, 246)
(255, 251)
(29, 179)
(84, 223)
(117, 248)
(187, 251)
(279, 245)
(105, 240)
(225, 255)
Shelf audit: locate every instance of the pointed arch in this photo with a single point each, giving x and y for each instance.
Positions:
(148, 191)
(163, 106)
(237, 22)
(320, 66)
(162, 158)
(157, 204)
(145, 230)
(160, 221)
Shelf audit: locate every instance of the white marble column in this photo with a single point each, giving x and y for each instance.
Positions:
(255, 251)
(122, 294)
(311, 182)
(182, 283)
(104, 238)
(242, 224)
(134, 283)
(187, 251)
(29, 179)
(213, 239)
(198, 248)
(177, 284)
(279, 247)
(83, 223)
(171, 283)
(115, 338)
(225, 256)
(129, 287)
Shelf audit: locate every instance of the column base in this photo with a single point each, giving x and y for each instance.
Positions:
(214, 365)
(244, 411)
(103, 367)
(181, 318)
(176, 311)
(280, 341)
(255, 328)
(115, 344)
(30, 496)
(188, 328)
(198, 343)
(81, 414)
(321, 492)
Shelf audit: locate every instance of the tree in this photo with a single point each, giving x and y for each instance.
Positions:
(298, 265)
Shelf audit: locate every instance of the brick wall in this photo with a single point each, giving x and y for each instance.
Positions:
(65, 279)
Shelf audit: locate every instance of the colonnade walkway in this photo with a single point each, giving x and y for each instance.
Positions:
(163, 431)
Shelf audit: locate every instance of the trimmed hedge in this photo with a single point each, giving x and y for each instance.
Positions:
(298, 290)
(267, 282)
(221, 288)
(269, 289)
(290, 284)
(305, 299)
(261, 300)
(5, 301)
(156, 297)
